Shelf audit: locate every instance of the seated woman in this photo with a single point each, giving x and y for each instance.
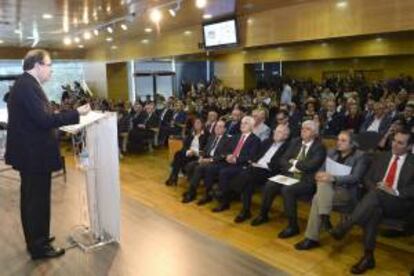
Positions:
(193, 145)
(334, 190)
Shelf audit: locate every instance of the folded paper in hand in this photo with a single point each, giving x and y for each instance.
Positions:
(284, 180)
(335, 168)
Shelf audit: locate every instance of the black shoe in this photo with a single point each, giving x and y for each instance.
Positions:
(365, 263)
(326, 224)
(392, 233)
(47, 252)
(222, 207)
(338, 233)
(288, 232)
(243, 216)
(188, 198)
(307, 244)
(51, 239)
(260, 220)
(204, 200)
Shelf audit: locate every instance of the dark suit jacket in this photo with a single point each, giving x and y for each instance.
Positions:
(274, 162)
(221, 149)
(378, 168)
(310, 165)
(232, 129)
(165, 121)
(334, 126)
(383, 127)
(248, 151)
(32, 145)
(152, 120)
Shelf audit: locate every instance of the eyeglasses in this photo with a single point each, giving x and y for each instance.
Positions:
(45, 64)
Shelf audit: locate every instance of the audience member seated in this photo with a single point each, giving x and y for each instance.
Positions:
(241, 151)
(211, 122)
(143, 133)
(353, 118)
(124, 127)
(193, 145)
(263, 166)
(302, 160)
(391, 183)
(332, 121)
(334, 190)
(175, 126)
(386, 141)
(260, 129)
(377, 122)
(165, 113)
(214, 155)
(233, 126)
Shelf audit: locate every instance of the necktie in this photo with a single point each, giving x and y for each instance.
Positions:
(213, 146)
(239, 146)
(389, 179)
(301, 157)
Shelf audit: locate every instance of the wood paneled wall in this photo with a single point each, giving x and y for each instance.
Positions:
(117, 78)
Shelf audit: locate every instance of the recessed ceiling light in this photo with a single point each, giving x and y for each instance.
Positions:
(201, 4)
(81, 46)
(342, 4)
(148, 30)
(76, 39)
(110, 30)
(155, 15)
(187, 32)
(17, 31)
(172, 12)
(67, 41)
(379, 39)
(1, 41)
(207, 16)
(114, 47)
(47, 16)
(324, 44)
(96, 32)
(124, 27)
(87, 35)
(109, 39)
(145, 41)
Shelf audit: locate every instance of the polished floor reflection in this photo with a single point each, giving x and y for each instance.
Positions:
(151, 244)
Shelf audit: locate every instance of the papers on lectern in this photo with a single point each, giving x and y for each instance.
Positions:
(85, 120)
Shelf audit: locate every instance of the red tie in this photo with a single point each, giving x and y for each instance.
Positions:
(389, 179)
(237, 150)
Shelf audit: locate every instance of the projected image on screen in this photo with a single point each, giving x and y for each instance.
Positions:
(220, 34)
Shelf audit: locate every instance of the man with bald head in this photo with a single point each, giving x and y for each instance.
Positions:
(301, 160)
(33, 149)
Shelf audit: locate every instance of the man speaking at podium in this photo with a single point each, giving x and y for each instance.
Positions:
(33, 150)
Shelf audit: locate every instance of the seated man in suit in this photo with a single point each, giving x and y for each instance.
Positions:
(301, 160)
(233, 126)
(211, 122)
(144, 131)
(333, 121)
(214, 154)
(241, 151)
(264, 165)
(391, 182)
(334, 190)
(378, 122)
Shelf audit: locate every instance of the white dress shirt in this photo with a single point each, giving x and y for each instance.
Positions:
(265, 160)
(375, 125)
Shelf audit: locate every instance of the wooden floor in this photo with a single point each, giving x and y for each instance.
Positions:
(162, 236)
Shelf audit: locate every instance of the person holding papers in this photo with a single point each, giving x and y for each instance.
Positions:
(336, 185)
(391, 183)
(301, 161)
(33, 149)
(263, 166)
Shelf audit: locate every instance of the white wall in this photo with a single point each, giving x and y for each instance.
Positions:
(95, 77)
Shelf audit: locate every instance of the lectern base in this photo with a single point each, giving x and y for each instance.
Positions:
(83, 238)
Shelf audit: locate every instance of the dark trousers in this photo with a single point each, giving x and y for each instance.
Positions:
(179, 162)
(226, 174)
(35, 208)
(195, 173)
(290, 195)
(247, 182)
(373, 207)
